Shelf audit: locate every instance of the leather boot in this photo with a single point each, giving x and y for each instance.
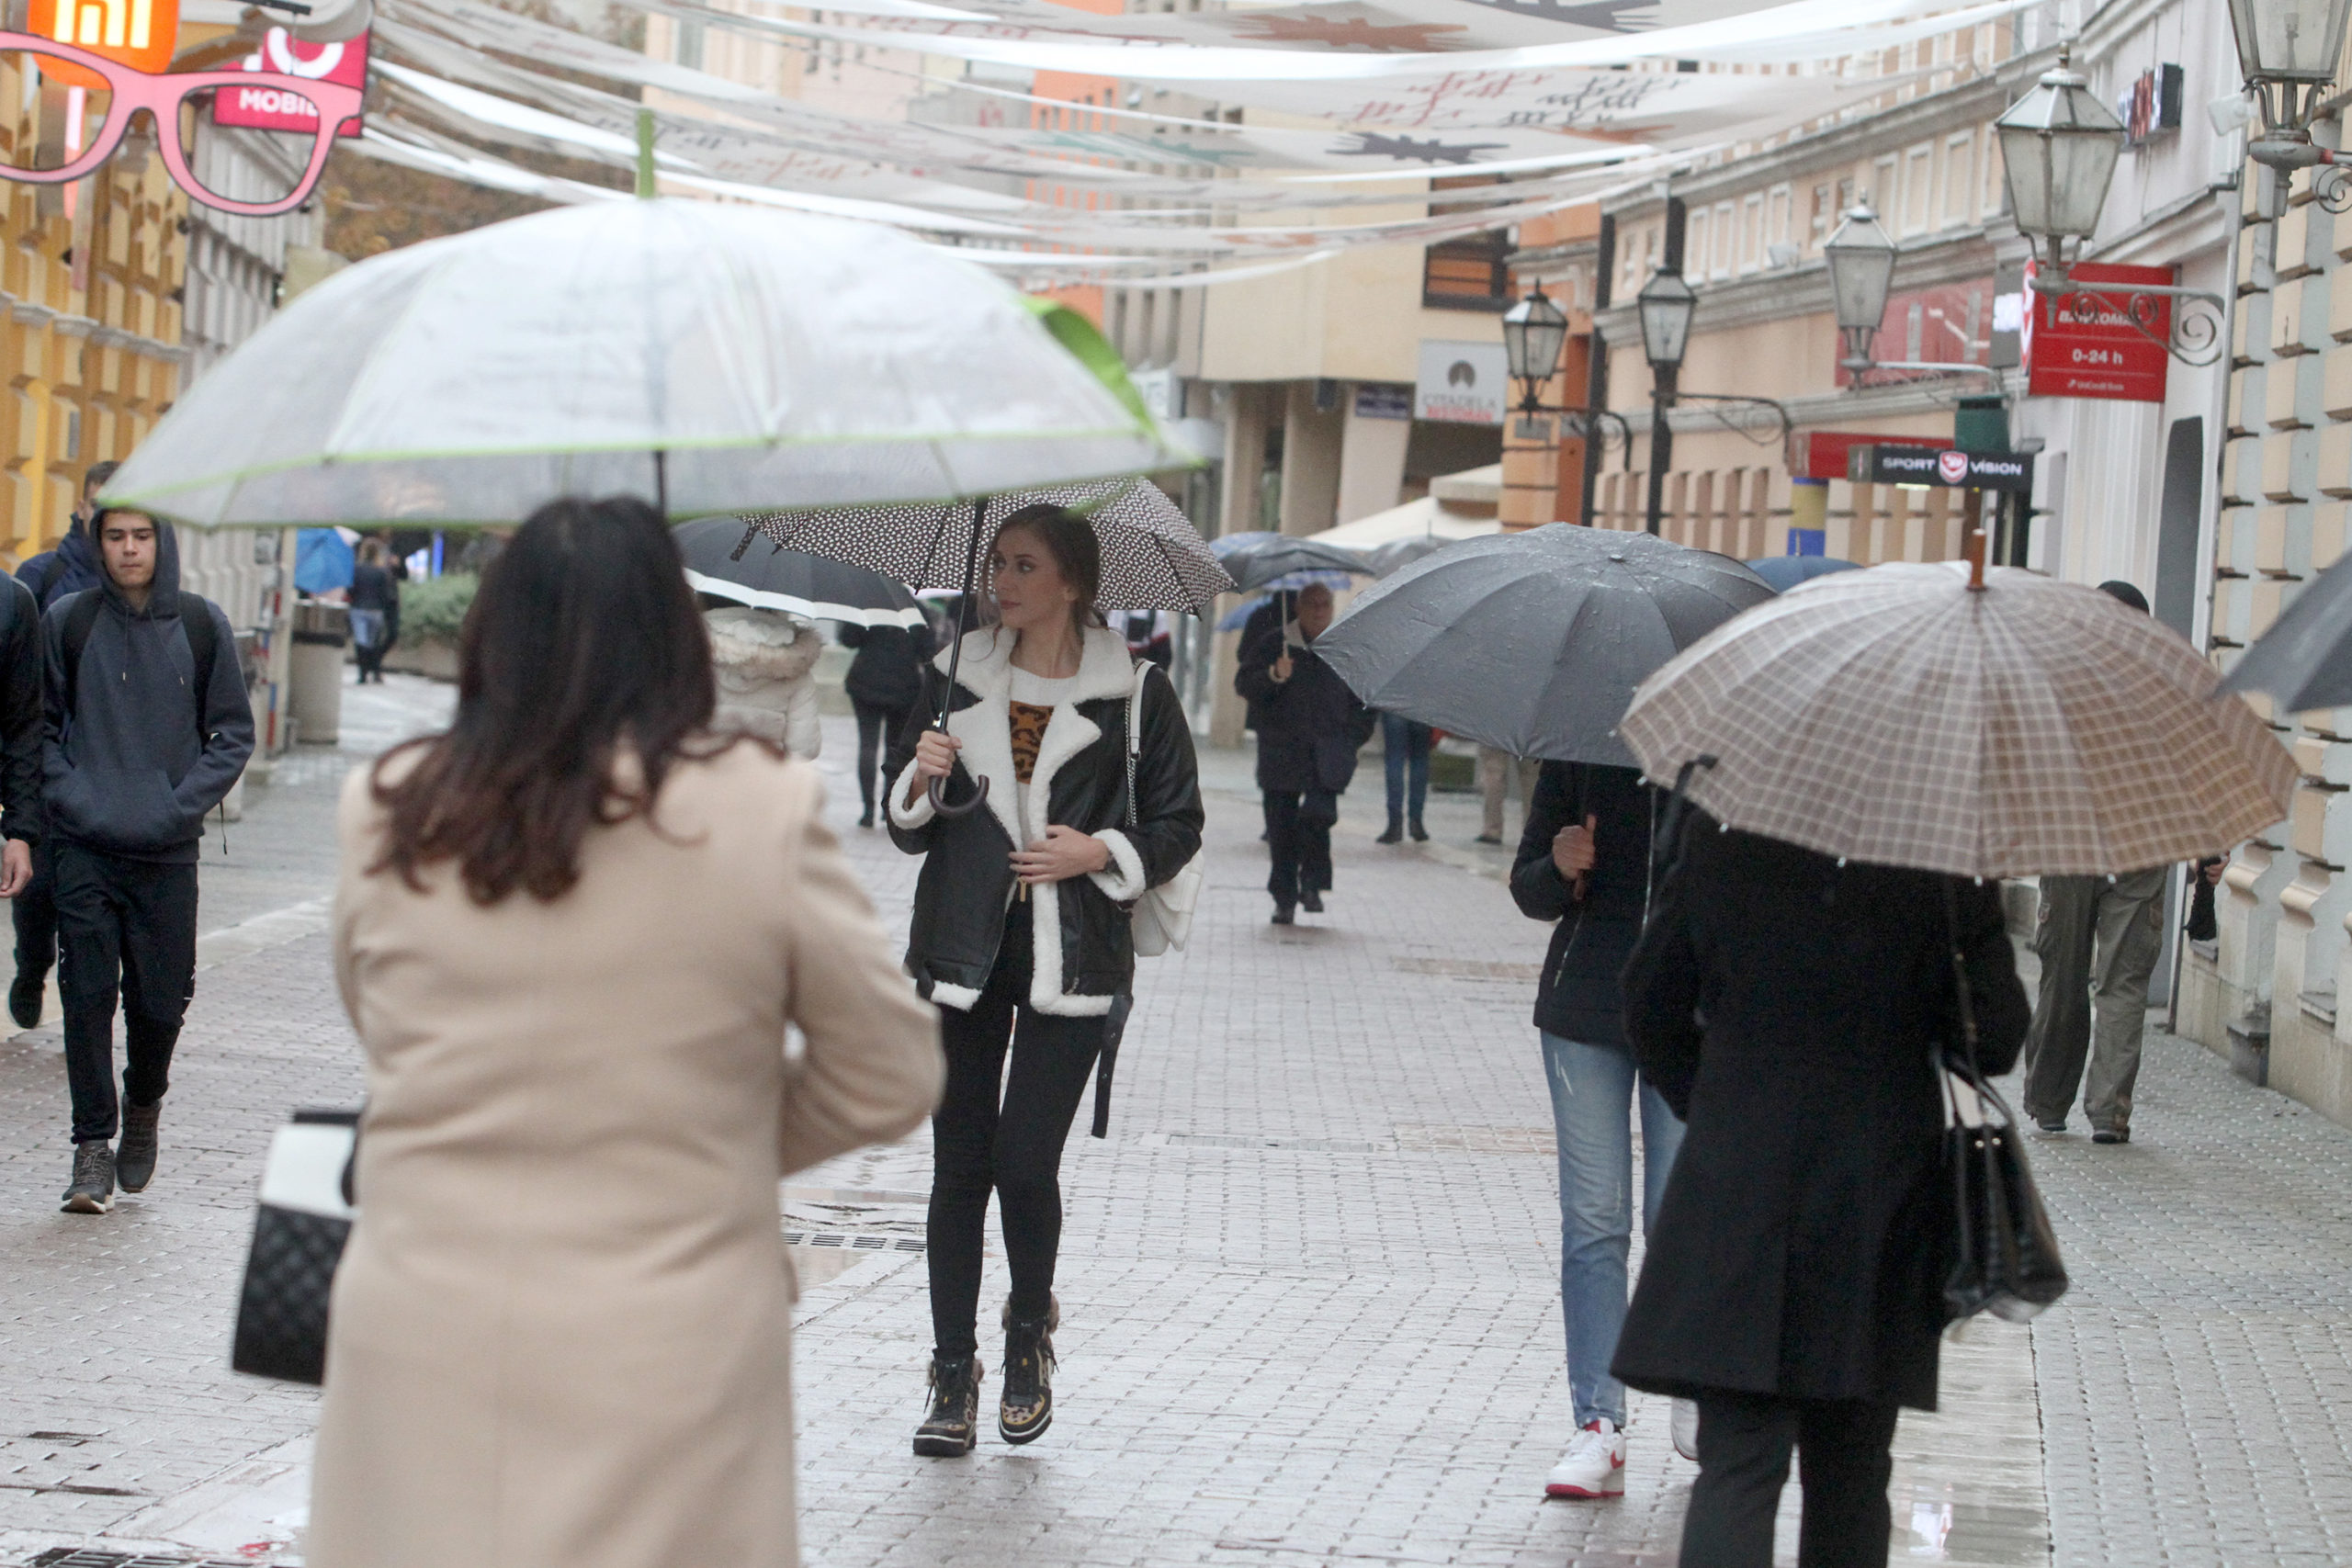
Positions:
(92, 1192)
(952, 1424)
(1027, 1409)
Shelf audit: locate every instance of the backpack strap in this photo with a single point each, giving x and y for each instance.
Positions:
(196, 619)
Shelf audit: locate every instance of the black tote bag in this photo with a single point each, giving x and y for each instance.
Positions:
(2005, 1256)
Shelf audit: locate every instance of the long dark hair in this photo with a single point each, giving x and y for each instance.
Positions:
(1077, 553)
(583, 641)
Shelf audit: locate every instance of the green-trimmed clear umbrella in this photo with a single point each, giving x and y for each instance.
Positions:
(715, 358)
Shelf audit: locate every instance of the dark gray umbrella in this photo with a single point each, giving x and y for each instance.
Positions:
(1256, 559)
(728, 559)
(1534, 642)
(2305, 659)
(1387, 560)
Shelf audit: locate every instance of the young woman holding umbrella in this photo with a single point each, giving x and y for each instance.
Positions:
(1021, 918)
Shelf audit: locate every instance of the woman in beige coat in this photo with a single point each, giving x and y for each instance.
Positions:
(571, 935)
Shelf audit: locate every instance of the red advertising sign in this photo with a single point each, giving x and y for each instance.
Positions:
(1821, 454)
(2090, 344)
(268, 109)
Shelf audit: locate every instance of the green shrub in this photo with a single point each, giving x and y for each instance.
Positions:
(433, 608)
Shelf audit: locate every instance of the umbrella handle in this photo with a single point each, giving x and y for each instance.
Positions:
(939, 803)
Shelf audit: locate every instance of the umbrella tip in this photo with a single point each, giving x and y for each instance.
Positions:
(1975, 557)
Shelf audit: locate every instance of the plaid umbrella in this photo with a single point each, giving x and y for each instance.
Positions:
(1897, 716)
(1152, 558)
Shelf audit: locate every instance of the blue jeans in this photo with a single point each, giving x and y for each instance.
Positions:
(1592, 1104)
(1402, 742)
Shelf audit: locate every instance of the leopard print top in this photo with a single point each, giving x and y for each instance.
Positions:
(1029, 723)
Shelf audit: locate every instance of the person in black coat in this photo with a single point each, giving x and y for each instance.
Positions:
(1584, 865)
(1792, 1009)
(884, 683)
(1022, 930)
(1310, 728)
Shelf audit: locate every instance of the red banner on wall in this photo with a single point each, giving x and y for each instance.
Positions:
(2089, 345)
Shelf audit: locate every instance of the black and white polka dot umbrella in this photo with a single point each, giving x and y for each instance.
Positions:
(1153, 558)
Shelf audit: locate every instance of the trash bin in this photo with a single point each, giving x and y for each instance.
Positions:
(316, 694)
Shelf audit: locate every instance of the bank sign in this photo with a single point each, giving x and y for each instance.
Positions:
(2087, 345)
(1944, 469)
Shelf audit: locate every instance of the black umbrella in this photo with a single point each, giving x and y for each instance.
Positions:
(1257, 559)
(1534, 642)
(727, 558)
(2305, 659)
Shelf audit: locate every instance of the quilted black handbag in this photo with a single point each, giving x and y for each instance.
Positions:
(2005, 1256)
(304, 1217)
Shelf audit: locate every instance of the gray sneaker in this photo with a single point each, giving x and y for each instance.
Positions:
(93, 1189)
(134, 1158)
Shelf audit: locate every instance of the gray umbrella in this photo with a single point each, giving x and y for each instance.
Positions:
(2305, 659)
(1534, 642)
(728, 559)
(1256, 559)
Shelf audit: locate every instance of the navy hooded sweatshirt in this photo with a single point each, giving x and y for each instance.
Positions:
(133, 769)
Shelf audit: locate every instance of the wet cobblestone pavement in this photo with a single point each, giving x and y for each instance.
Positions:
(1309, 1282)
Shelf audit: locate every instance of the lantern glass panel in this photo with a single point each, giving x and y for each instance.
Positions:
(2289, 41)
(1667, 305)
(1862, 268)
(1534, 331)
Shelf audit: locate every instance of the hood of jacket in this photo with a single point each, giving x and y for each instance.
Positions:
(163, 594)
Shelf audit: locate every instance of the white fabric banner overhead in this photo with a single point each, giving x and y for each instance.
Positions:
(1167, 48)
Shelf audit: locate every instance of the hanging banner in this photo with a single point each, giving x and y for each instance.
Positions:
(141, 34)
(2087, 345)
(269, 108)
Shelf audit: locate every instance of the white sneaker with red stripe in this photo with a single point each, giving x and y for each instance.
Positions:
(1594, 1465)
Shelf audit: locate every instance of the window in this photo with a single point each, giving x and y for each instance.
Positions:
(1467, 275)
(1886, 196)
(1918, 187)
(1721, 237)
(1995, 200)
(1751, 234)
(1824, 216)
(1959, 177)
(1694, 244)
(1779, 205)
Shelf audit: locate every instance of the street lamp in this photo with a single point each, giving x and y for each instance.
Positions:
(1862, 269)
(1534, 331)
(2288, 49)
(2059, 144)
(1667, 305)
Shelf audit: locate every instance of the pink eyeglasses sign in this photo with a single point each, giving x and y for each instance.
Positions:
(273, 108)
(272, 169)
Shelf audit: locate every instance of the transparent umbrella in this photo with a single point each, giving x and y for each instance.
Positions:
(714, 359)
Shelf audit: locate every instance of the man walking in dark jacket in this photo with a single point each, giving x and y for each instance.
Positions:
(50, 576)
(1310, 728)
(1584, 863)
(148, 727)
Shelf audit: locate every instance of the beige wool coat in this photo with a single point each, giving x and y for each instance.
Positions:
(560, 1333)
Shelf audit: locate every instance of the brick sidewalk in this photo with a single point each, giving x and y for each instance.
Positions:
(1310, 1281)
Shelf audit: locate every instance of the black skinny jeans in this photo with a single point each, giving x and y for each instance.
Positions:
(995, 1131)
(1744, 1443)
(127, 929)
(34, 912)
(876, 728)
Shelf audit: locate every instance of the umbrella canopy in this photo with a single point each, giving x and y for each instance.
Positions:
(1397, 554)
(775, 359)
(1256, 559)
(1534, 642)
(727, 558)
(1152, 558)
(1784, 572)
(1897, 716)
(1290, 583)
(2305, 659)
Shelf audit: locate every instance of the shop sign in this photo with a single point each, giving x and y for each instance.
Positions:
(141, 34)
(1462, 383)
(273, 108)
(1383, 400)
(1822, 454)
(2087, 345)
(1946, 468)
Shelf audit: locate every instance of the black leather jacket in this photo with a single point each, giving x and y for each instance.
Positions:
(1084, 954)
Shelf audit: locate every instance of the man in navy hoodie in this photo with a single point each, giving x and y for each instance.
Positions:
(147, 727)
